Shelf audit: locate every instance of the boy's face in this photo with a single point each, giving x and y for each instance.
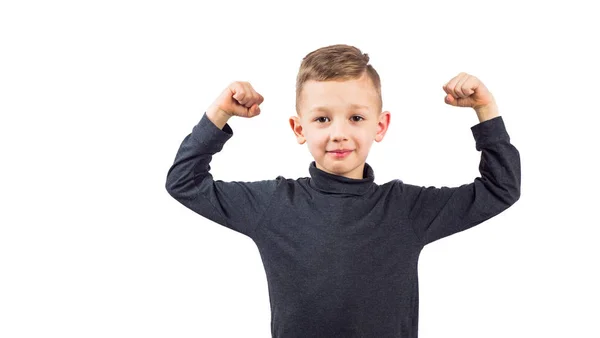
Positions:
(340, 115)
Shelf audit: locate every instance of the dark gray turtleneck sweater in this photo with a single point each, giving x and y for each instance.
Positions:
(341, 254)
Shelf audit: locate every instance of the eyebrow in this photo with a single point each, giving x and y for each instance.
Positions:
(325, 109)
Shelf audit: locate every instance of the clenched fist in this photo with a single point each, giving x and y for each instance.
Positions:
(239, 99)
(466, 90)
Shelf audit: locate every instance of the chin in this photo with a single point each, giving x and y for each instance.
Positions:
(340, 165)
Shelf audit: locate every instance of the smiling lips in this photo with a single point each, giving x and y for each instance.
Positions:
(340, 153)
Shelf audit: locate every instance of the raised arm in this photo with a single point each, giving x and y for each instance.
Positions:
(236, 205)
(440, 212)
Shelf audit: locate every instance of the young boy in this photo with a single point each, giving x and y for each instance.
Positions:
(340, 251)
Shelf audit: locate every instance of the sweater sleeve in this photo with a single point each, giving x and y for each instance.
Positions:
(237, 205)
(439, 212)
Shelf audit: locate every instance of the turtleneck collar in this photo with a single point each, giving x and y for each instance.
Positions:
(337, 184)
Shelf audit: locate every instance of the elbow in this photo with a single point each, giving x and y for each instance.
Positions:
(512, 194)
(505, 198)
(170, 187)
(512, 188)
(181, 188)
(515, 190)
(172, 184)
(515, 196)
(506, 195)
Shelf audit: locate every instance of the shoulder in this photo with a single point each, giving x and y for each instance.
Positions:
(400, 189)
(286, 183)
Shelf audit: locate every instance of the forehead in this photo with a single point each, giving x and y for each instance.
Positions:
(326, 96)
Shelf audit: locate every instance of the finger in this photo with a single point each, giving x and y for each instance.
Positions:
(239, 93)
(451, 100)
(248, 112)
(446, 87)
(255, 109)
(244, 94)
(450, 86)
(459, 89)
(251, 95)
(470, 85)
(255, 97)
(260, 99)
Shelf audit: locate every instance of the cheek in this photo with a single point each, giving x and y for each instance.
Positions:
(362, 138)
(316, 140)
(312, 142)
(365, 143)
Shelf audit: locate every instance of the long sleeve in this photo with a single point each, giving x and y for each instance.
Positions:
(441, 212)
(236, 205)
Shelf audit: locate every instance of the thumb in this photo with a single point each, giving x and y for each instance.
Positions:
(254, 110)
(249, 112)
(458, 102)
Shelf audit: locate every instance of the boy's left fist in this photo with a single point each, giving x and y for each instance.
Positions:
(466, 90)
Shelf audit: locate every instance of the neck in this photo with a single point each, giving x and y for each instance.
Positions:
(332, 183)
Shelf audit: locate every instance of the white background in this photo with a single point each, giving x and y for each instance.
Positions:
(96, 97)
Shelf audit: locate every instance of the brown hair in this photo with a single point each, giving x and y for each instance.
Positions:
(336, 62)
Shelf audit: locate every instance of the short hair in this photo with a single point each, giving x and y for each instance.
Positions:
(336, 62)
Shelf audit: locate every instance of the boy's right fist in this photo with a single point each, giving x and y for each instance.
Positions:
(239, 99)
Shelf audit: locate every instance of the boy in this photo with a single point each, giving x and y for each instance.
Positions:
(340, 251)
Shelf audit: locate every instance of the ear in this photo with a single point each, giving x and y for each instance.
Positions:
(382, 125)
(297, 129)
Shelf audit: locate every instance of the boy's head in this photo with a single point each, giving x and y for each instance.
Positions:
(338, 103)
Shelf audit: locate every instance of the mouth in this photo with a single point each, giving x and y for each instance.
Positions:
(340, 153)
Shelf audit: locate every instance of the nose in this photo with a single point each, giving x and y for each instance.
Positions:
(338, 130)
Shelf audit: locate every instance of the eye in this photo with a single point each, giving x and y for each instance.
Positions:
(323, 117)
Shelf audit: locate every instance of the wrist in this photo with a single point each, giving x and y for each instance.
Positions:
(487, 112)
(217, 116)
